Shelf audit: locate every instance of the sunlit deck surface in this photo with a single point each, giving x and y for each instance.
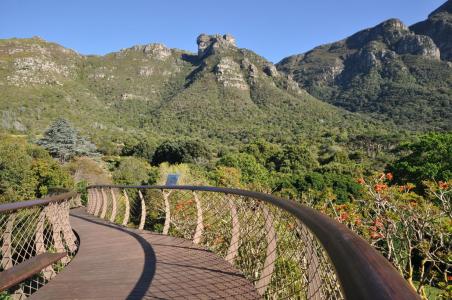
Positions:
(114, 262)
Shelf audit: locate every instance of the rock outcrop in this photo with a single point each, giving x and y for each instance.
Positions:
(394, 35)
(155, 50)
(417, 45)
(213, 44)
(438, 26)
(229, 74)
(37, 62)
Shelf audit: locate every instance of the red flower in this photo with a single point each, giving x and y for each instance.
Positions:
(389, 176)
(376, 235)
(380, 187)
(443, 185)
(361, 181)
(378, 223)
(343, 217)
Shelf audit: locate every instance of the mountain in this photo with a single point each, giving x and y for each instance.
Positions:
(222, 93)
(438, 26)
(390, 72)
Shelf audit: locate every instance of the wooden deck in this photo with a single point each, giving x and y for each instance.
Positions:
(114, 262)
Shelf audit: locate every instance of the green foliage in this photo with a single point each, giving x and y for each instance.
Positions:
(49, 173)
(251, 171)
(180, 151)
(81, 187)
(295, 158)
(28, 171)
(228, 177)
(344, 187)
(291, 170)
(144, 149)
(63, 141)
(16, 176)
(132, 171)
(427, 158)
(263, 151)
(290, 158)
(128, 97)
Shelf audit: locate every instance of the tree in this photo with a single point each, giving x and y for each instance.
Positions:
(180, 151)
(28, 171)
(295, 158)
(428, 158)
(143, 148)
(16, 177)
(263, 151)
(227, 176)
(251, 171)
(63, 141)
(49, 174)
(412, 231)
(132, 170)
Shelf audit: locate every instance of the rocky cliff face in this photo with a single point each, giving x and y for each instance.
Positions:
(214, 44)
(238, 68)
(438, 26)
(36, 62)
(395, 36)
(386, 71)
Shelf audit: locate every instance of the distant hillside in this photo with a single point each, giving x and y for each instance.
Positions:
(222, 93)
(390, 71)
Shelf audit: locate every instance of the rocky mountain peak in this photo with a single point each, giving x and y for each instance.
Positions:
(210, 44)
(397, 37)
(438, 27)
(389, 31)
(446, 8)
(155, 50)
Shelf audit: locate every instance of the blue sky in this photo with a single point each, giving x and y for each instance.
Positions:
(273, 29)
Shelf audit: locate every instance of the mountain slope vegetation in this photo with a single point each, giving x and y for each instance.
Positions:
(391, 72)
(223, 93)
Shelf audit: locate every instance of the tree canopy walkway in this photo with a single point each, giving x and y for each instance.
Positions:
(114, 262)
(169, 242)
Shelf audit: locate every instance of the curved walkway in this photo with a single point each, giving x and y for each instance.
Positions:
(115, 262)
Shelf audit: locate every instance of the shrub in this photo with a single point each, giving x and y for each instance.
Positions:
(180, 151)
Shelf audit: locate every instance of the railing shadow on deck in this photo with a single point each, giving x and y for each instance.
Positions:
(145, 280)
(184, 269)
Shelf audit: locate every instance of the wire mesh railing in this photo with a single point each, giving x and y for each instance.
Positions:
(285, 249)
(28, 231)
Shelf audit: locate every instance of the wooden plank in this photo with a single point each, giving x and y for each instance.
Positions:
(28, 268)
(114, 262)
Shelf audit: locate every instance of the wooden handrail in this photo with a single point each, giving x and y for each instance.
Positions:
(13, 206)
(28, 268)
(362, 271)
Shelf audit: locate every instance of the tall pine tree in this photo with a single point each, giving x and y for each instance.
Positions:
(63, 141)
